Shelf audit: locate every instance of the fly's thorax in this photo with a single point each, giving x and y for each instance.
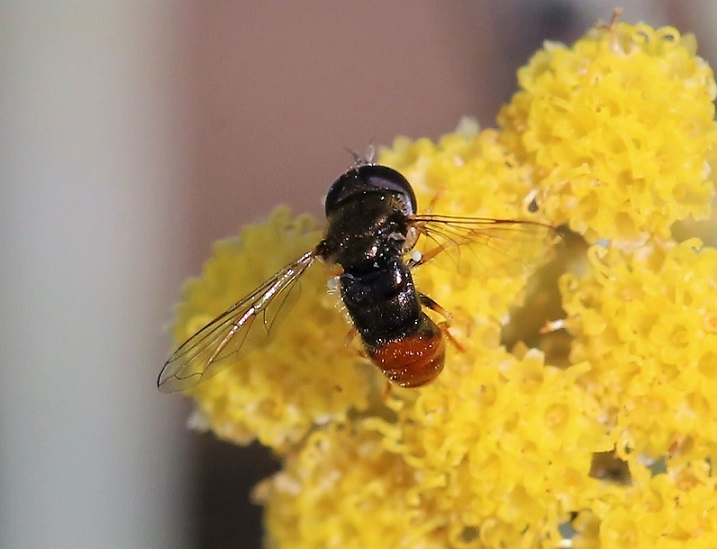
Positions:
(364, 233)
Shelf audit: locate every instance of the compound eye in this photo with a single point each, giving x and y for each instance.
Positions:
(370, 178)
(388, 179)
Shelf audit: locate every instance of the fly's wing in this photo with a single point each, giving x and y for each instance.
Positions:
(243, 326)
(477, 245)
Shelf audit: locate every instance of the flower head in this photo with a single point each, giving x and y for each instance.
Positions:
(618, 131)
(578, 401)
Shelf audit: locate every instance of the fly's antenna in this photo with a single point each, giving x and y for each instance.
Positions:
(358, 161)
(370, 153)
(367, 158)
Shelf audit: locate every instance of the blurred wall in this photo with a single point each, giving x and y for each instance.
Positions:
(92, 190)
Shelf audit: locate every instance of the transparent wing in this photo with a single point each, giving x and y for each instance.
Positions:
(204, 354)
(476, 245)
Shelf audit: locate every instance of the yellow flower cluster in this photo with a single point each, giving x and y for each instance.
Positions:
(598, 429)
(663, 510)
(654, 314)
(617, 130)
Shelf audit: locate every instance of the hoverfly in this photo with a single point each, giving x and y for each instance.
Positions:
(372, 228)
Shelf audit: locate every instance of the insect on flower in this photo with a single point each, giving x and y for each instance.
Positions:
(371, 235)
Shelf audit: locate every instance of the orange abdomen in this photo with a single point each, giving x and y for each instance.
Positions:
(413, 359)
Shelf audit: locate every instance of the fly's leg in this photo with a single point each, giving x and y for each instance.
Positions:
(436, 198)
(386, 391)
(350, 336)
(443, 326)
(447, 318)
(433, 306)
(419, 258)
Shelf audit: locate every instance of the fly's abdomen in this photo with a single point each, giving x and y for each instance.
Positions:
(382, 302)
(398, 337)
(414, 359)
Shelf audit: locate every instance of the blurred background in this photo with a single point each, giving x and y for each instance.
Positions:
(133, 135)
